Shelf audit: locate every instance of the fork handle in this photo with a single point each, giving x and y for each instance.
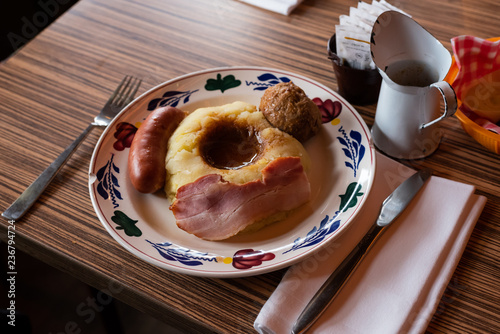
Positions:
(31, 194)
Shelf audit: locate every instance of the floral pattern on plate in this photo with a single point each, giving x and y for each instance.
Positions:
(342, 175)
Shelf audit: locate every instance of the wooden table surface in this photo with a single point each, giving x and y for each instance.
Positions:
(53, 87)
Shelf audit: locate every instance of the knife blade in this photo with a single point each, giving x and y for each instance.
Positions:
(391, 208)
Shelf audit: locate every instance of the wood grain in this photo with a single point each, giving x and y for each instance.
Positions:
(52, 88)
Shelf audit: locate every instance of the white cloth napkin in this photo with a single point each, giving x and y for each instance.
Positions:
(398, 285)
(284, 7)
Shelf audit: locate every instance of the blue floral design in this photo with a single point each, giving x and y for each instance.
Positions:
(329, 225)
(316, 235)
(266, 80)
(352, 148)
(182, 255)
(171, 98)
(108, 182)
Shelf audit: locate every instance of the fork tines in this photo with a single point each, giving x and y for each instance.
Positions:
(123, 93)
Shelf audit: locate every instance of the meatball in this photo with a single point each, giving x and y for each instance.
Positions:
(288, 108)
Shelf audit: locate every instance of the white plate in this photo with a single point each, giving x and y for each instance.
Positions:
(343, 165)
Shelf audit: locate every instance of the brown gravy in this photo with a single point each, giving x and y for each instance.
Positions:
(230, 146)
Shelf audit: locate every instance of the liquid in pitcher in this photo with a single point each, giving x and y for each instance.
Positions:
(412, 73)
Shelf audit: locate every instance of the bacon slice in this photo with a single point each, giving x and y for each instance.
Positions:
(214, 209)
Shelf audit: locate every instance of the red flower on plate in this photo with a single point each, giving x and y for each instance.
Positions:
(124, 134)
(248, 258)
(329, 109)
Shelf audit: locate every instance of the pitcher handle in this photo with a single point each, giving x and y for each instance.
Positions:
(450, 102)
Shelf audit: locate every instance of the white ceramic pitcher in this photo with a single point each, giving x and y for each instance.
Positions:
(413, 64)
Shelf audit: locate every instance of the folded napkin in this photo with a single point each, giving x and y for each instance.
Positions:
(398, 285)
(284, 7)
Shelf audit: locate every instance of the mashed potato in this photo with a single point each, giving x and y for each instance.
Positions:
(234, 140)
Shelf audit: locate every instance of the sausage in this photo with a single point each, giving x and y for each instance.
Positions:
(146, 159)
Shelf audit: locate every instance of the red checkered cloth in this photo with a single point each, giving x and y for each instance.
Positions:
(475, 58)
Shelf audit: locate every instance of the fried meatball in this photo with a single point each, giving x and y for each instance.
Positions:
(288, 108)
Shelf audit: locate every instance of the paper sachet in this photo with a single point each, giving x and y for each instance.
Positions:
(352, 35)
(353, 47)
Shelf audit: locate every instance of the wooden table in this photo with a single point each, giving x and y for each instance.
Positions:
(52, 88)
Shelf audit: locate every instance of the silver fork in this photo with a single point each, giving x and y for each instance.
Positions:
(123, 94)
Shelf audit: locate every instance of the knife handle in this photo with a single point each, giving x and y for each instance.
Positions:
(330, 289)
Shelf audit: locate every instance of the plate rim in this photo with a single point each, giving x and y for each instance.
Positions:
(234, 273)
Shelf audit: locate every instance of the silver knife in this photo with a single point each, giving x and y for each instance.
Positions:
(391, 208)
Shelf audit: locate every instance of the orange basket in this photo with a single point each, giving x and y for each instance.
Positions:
(488, 139)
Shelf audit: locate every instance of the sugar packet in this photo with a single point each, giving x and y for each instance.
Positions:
(387, 6)
(363, 14)
(353, 46)
(354, 30)
(346, 20)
